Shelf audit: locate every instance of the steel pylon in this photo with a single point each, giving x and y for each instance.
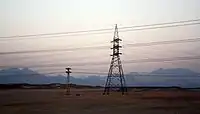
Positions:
(115, 79)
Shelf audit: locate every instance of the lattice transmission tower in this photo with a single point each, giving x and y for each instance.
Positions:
(68, 81)
(115, 79)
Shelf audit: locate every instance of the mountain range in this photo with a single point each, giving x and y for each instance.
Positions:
(161, 77)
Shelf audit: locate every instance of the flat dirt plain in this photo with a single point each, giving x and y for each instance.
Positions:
(91, 101)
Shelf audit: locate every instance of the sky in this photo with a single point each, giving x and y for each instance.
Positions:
(23, 17)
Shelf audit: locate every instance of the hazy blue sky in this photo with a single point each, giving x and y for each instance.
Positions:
(21, 17)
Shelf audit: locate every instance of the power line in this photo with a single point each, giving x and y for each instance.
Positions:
(88, 71)
(147, 75)
(50, 73)
(157, 24)
(163, 42)
(55, 50)
(104, 73)
(32, 74)
(80, 72)
(163, 59)
(103, 47)
(96, 73)
(55, 34)
(76, 71)
(146, 60)
(130, 28)
(160, 27)
(168, 75)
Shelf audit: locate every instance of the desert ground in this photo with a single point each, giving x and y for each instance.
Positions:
(91, 101)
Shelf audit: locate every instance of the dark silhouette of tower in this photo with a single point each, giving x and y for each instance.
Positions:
(115, 80)
(68, 81)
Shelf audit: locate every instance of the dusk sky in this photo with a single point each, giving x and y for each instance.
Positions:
(24, 17)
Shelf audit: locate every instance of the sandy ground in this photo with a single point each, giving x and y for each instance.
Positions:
(53, 101)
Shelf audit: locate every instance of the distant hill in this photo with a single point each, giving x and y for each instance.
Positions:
(175, 71)
(26, 75)
(179, 77)
(158, 78)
